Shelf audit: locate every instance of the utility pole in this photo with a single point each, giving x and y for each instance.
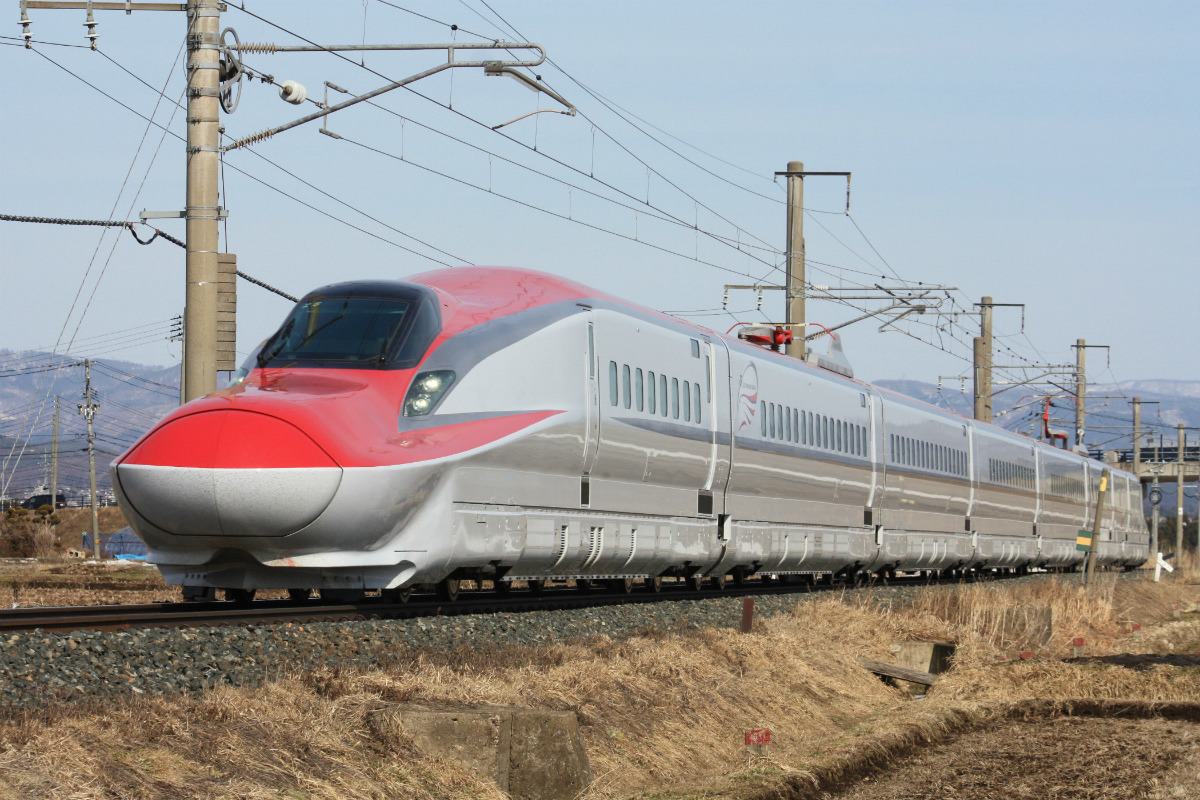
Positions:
(1155, 499)
(201, 212)
(1179, 498)
(1137, 436)
(88, 409)
(983, 362)
(795, 283)
(54, 459)
(794, 308)
(1080, 390)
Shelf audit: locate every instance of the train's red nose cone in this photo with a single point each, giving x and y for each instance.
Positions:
(229, 439)
(231, 473)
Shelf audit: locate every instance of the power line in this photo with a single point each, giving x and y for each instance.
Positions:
(514, 141)
(545, 210)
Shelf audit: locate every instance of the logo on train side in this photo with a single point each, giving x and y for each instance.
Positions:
(747, 398)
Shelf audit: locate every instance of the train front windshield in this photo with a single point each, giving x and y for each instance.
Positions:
(354, 331)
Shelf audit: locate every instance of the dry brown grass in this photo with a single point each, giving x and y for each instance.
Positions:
(663, 714)
(67, 582)
(30, 534)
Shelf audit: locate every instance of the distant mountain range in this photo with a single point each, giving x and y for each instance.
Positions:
(1109, 419)
(133, 397)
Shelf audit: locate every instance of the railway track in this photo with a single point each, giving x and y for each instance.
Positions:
(219, 613)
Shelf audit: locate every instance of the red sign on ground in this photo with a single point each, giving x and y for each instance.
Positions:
(758, 737)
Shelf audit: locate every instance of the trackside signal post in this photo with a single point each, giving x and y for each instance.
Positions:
(214, 74)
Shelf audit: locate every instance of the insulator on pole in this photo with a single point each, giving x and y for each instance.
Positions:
(91, 27)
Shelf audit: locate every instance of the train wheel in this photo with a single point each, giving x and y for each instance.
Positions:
(695, 582)
(739, 576)
(502, 588)
(447, 590)
(584, 585)
(239, 596)
(654, 584)
(718, 581)
(299, 594)
(536, 586)
(397, 595)
(621, 585)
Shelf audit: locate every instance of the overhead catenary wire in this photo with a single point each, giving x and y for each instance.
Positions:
(622, 114)
(476, 122)
(956, 329)
(270, 186)
(740, 245)
(4, 468)
(550, 212)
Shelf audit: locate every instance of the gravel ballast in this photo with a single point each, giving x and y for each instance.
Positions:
(37, 666)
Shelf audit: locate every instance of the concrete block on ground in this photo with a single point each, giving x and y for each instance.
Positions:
(932, 657)
(530, 753)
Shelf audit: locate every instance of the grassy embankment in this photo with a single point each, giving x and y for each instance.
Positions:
(663, 713)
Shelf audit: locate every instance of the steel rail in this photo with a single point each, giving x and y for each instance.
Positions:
(479, 601)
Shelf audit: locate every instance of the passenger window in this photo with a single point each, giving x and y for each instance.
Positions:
(612, 382)
(650, 392)
(625, 384)
(638, 388)
(762, 416)
(707, 379)
(779, 420)
(687, 402)
(828, 437)
(787, 424)
(696, 403)
(771, 414)
(662, 394)
(695, 349)
(674, 398)
(796, 417)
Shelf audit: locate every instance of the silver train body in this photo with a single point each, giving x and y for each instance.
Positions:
(586, 437)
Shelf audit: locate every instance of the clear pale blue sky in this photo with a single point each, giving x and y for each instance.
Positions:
(1041, 153)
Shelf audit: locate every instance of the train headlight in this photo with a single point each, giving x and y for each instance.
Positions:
(426, 389)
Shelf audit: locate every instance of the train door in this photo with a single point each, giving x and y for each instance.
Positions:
(720, 424)
(1038, 469)
(878, 452)
(591, 439)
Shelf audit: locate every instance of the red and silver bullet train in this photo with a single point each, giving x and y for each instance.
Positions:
(511, 425)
